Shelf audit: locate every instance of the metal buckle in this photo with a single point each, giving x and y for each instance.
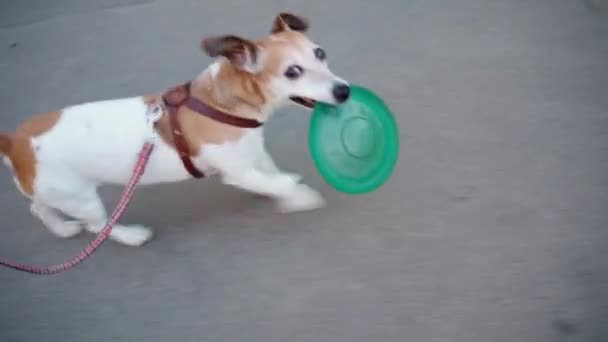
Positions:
(153, 115)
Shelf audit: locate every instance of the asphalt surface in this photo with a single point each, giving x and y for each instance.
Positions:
(494, 226)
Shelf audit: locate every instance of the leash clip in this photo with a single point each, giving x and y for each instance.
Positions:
(153, 115)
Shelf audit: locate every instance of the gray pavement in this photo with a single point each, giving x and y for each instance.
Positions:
(494, 226)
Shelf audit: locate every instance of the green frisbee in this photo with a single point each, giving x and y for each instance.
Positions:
(354, 145)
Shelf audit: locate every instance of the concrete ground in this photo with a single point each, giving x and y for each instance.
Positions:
(494, 226)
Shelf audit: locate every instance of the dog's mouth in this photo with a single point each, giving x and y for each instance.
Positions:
(303, 101)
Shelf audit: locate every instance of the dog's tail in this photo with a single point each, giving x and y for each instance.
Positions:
(5, 144)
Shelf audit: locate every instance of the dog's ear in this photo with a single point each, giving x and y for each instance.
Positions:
(287, 21)
(242, 53)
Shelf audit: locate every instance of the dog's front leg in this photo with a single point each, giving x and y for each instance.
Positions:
(306, 196)
(248, 166)
(264, 161)
(291, 196)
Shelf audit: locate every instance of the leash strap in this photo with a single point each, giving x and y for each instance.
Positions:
(122, 205)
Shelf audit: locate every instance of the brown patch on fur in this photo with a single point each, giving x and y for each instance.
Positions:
(5, 144)
(22, 154)
(38, 124)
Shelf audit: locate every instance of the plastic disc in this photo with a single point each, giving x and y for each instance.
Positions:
(354, 145)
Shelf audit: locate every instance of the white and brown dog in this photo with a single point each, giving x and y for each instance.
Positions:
(59, 159)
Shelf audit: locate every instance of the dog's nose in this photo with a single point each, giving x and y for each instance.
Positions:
(341, 92)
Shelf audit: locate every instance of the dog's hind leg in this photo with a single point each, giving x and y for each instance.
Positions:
(53, 220)
(80, 200)
(49, 217)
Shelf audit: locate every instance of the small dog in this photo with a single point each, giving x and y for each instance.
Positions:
(59, 159)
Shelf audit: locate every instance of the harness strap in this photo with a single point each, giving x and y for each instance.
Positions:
(180, 96)
(204, 109)
(181, 144)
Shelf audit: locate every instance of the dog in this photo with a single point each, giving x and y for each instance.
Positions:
(60, 159)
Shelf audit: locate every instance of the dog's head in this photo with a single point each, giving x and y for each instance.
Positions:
(286, 65)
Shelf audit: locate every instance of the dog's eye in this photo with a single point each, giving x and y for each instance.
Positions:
(293, 72)
(320, 54)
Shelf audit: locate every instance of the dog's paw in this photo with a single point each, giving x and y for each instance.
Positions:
(303, 198)
(58, 226)
(132, 235)
(286, 182)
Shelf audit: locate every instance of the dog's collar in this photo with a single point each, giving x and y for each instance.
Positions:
(179, 96)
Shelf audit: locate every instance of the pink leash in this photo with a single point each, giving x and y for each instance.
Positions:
(125, 198)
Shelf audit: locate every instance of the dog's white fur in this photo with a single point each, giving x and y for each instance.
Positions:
(97, 143)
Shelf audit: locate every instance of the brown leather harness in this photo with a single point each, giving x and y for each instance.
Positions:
(179, 96)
